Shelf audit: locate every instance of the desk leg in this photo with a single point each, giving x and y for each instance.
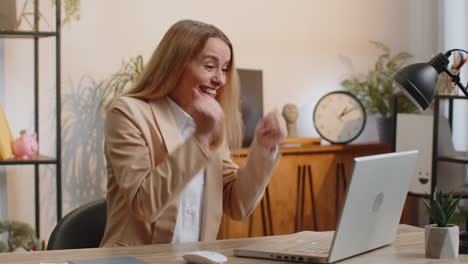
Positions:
(303, 175)
(270, 219)
(340, 176)
(312, 198)
(298, 196)
(267, 231)
(250, 225)
(262, 209)
(304, 172)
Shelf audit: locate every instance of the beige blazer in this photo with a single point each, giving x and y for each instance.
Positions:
(148, 167)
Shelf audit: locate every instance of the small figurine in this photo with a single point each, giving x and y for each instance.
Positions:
(290, 114)
(25, 147)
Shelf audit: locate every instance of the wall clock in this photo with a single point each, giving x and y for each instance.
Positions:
(339, 117)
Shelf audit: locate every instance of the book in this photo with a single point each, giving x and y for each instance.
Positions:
(6, 151)
(117, 260)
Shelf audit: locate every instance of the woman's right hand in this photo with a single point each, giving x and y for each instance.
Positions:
(207, 115)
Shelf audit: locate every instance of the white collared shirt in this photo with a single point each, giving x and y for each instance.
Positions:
(188, 225)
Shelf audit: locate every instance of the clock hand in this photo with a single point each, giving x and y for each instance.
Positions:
(346, 112)
(343, 113)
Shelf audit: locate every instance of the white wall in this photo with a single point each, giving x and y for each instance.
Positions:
(304, 47)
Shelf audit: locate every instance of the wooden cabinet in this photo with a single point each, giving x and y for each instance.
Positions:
(323, 161)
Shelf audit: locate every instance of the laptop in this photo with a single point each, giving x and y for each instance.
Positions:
(369, 218)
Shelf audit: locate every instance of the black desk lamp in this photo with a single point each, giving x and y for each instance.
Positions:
(419, 83)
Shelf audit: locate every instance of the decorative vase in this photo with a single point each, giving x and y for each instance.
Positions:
(25, 147)
(441, 242)
(384, 128)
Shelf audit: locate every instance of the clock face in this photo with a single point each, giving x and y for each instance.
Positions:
(339, 117)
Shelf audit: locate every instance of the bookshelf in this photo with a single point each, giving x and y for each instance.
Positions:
(435, 152)
(35, 36)
(435, 156)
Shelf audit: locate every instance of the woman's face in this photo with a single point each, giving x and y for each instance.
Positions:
(205, 74)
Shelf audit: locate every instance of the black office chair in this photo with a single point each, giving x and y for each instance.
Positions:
(81, 228)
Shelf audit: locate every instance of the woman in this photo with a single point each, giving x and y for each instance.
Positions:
(170, 176)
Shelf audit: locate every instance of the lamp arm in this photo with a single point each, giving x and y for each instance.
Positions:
(449, 52)
(456, 77)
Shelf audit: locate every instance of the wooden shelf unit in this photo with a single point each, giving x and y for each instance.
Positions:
(26, 34)
(35, 36)
(40, 159)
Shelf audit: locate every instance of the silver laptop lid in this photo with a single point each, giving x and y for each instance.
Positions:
(374, 203)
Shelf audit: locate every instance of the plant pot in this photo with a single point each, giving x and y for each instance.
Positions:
(441, 242)
(384, 128)
(7, 14)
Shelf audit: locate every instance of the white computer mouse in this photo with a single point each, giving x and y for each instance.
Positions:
(205, 257)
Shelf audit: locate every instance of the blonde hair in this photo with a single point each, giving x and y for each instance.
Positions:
(179, 46)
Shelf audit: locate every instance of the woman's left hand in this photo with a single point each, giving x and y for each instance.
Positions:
(271, 130)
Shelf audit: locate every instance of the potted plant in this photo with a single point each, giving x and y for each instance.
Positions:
(376, 89)
(19, 236)
(28, 11)
(441, 238)
(83, 115)
(72, 11)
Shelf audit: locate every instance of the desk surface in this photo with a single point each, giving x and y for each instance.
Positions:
(408, 248)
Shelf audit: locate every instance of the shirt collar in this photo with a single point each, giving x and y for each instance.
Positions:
(182, 119)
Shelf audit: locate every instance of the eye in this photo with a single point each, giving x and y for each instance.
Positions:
(225, 70)
(210, 67)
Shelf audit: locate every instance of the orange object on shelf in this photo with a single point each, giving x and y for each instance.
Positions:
(6, 151)
(299, 142)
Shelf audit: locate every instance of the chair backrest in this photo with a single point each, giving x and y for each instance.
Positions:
(81, 228)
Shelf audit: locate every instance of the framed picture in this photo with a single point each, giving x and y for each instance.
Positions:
(251, 95)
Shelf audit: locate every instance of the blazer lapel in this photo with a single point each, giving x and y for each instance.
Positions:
(166, 123)
(213, 198)
(164, 226)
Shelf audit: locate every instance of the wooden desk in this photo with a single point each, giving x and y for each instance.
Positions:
(408, 248)
(283, 188)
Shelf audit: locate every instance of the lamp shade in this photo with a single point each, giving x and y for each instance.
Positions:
(419, 83)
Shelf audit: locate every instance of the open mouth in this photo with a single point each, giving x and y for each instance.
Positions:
(209, 91)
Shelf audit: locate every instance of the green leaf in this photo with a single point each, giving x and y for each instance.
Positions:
(428, 205)
(72, 11)
(457, 219)
(441, 207)
(376, 90)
